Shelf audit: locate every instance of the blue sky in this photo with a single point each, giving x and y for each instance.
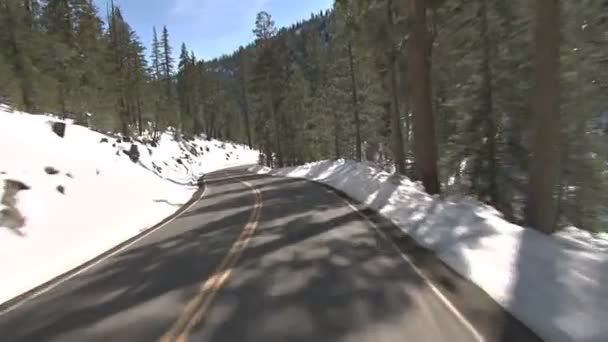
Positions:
(209, 27)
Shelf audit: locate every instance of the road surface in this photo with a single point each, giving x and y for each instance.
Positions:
(255, 259)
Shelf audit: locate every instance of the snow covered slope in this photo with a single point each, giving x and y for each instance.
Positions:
(557, 285)
(86, 195)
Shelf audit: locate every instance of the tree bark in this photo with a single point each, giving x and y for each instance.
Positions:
(487, 106)
(353, 81)
(247, 120)
(393, 86)
(396, 132)
(275, 121)
(544, 166)
(336, 124)
(140, 124)
(425, 144)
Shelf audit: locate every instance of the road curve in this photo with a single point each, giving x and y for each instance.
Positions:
(256, 259)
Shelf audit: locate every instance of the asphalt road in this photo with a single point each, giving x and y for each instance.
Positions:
(256, 259)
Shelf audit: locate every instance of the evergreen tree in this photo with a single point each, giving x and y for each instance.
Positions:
(156, 88)
(187, 89)
(58, 22)
(90, 64)
(128, 71)
(243, 80)
(266, 97)
(19, 35)
(346, 17)
(166, 63)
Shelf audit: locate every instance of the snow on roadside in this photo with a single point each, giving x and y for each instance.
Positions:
(556, 284)
(106, 197)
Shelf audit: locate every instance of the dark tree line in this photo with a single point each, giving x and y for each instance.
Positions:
(59, 56)
(490, 98)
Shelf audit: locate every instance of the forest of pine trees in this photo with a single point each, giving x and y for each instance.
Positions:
(60, 56)
(501, 100)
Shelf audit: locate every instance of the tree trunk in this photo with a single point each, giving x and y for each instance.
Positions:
(353, 81)
(393, 86)
(396, 134)
(407, 139)
(197, 126)
(487, 106)
(245, 100)
(268, 154)
(172, 107)
(247, 121)
(336, 124)
(140, 123)
(544, 166)
(425, 144)
(275, 121)
(277, 132)
(124, 116)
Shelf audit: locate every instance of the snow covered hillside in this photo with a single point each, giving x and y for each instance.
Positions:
(554, 284)
(67, 199)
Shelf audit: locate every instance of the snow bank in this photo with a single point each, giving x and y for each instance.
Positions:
(106, 197)
(554, 284)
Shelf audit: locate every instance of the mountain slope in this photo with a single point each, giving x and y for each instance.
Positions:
(85, 194)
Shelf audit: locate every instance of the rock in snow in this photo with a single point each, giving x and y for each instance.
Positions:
(10, 216)
(11, 188)
(51, 170)
(61, 189)
(133, 153)
(59, 128)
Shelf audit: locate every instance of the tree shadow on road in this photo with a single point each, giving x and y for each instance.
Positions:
(171, 266)
(313, 271)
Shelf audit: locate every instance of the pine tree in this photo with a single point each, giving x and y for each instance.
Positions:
(137, 77)
(382, 36)
(156, 56)
(187, 89)
(156, 86)
(267, 119)
(166, 63)
(128, 71)
(243, 80)
(90, 65)
(20, 34)
(58, 22)
(346, 17)
(117, 41)
(182, 82)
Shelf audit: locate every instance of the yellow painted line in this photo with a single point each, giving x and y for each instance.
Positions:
(198, 306)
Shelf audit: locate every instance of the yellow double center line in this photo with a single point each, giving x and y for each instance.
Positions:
(196, 309)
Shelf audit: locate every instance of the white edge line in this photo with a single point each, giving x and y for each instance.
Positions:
(407, 259)
(50, 287)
